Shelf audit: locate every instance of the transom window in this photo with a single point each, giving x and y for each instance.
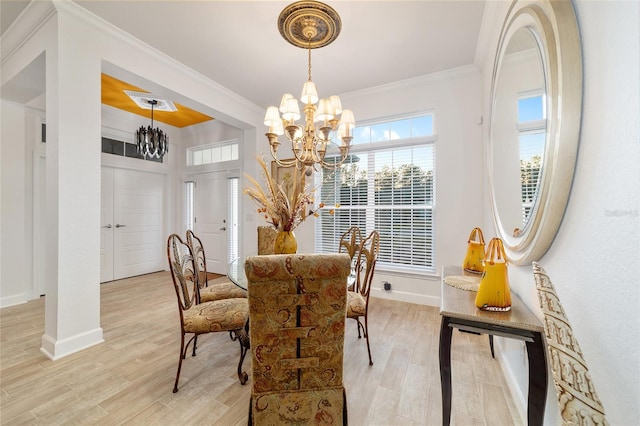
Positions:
(405, 128)
(213, 153)
(386, 184)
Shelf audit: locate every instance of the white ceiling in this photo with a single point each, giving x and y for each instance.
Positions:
(238, 45)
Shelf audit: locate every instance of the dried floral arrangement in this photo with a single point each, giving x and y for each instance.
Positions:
(283, 205)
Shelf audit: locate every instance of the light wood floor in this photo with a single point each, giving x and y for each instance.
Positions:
(128, 379)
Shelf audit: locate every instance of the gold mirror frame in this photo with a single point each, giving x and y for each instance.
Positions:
(554, 25)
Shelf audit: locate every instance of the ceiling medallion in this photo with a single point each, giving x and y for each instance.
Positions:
(309, 24)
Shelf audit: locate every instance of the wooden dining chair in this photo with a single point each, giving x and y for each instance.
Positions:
(297, 307)
(266, 239)
(358, 299)
(208, 292)
(228, 315)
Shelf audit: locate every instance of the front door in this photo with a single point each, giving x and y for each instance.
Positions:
(210, 217)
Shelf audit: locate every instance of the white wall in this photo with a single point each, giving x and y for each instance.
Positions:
(593, 260)
(14, 228)
(18, 136)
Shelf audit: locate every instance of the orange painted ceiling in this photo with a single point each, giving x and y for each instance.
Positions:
(113, 95)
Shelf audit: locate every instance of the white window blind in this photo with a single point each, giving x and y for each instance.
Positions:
(233, 217)
(390, 190)
(188, 205)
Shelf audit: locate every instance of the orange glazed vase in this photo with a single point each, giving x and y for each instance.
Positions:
(285, 243)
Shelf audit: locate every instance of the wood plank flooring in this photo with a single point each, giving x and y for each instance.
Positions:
(128, 379)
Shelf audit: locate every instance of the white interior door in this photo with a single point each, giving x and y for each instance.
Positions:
(133, 204)
(106, 225)
(138, 215)
(210, 216)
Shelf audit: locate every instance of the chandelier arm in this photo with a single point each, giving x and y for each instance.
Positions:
(282, 163)
(298, 160)
(333, 166)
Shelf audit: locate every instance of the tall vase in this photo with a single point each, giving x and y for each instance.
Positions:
(285, 243)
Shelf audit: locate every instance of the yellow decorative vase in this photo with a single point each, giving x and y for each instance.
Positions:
(285, 243)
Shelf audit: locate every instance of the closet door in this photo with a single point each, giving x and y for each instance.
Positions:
(106, 225)
(138, 206)
(131, 237)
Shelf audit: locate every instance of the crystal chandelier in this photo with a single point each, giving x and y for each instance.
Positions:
(310, 25)
(152, 142)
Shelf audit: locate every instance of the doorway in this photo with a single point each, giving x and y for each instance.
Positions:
(132, 218)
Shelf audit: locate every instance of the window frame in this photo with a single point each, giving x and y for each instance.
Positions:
(191, 152)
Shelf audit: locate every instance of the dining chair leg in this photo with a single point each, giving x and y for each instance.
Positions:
(360, 326)
(243, 339)
(195, 343)
(183, 351)
(345, 414)
(366, 335)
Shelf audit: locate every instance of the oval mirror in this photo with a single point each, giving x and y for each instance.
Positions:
(536, 98)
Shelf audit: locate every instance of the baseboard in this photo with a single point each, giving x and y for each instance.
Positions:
(56, 349)
(519, 399)
(18, 299)
(401, 296)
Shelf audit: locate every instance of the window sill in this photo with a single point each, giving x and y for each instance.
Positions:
(408, 273)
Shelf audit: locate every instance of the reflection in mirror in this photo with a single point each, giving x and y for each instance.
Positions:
(536, 103)
(519, 129)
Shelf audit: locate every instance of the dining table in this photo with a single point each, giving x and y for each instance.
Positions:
(235, 272)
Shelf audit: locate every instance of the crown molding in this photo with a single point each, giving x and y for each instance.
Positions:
(34, 16)
(422, 80)
(111, 30)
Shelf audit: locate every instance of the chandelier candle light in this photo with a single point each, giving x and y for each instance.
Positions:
(310, 25)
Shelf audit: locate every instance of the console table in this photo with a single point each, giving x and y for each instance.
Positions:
(458, 310)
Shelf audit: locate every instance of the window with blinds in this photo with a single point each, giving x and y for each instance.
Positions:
(391, 190)
(233, 218)
(188, 205)
(532, 129)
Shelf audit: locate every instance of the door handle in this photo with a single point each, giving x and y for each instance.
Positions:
(120, 226)
(107, 226)
(224, 228)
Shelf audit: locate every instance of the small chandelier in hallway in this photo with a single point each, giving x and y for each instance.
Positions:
(152, 142)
